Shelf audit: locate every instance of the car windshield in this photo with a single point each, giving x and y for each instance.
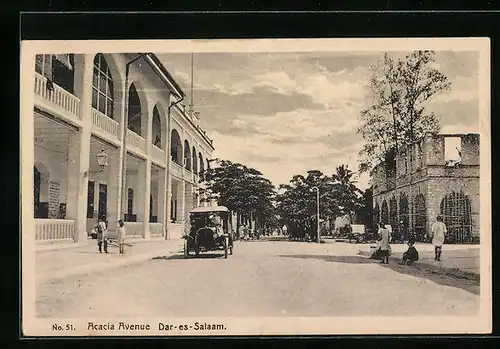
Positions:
(209, 219)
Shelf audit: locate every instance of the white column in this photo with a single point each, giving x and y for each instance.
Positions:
(162, 199)
(182, 195)
(146, 180)
(119, 110)
(113, 172)
(78, 164)
(143, 191)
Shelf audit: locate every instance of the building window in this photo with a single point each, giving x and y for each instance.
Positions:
(452, 150)
(130, 204)
(90, 200)
(43, 65)
(58, 69)
(102, 87)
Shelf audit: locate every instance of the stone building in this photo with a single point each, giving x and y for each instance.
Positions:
(439, 175)
(81, 105)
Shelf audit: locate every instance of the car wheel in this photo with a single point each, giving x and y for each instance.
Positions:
(226, 247)
(186, 251)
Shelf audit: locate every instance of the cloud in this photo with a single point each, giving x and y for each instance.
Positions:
(286, 113)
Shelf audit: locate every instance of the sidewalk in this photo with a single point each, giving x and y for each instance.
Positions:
(85, 258)
(457, 260)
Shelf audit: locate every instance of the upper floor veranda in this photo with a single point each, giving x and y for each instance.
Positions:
(95, 91)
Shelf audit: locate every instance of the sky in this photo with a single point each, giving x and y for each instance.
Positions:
(287, 113)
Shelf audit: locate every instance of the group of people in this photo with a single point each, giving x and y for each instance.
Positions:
(101, 229)
(247, 233)
(438, 231)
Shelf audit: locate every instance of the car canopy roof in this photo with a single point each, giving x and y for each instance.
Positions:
(208, 209)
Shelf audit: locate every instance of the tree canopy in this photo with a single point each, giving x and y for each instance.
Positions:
(396, 115)
(241, 189)
(297, 202)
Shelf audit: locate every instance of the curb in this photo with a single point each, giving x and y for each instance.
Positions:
(436, 269)
(43, 247)
(105, 265)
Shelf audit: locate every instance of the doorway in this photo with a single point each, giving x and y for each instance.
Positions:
(103, 201)
(37, 191)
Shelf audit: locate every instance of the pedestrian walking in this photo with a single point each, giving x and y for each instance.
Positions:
(384, 243)
(246, 232)
(121, 236)
(241, 232)
(411, 255)
(102, 235)
(438, 235)
(284, 229)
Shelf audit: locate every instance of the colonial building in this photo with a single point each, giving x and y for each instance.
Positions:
(81, 106)
(439, 175)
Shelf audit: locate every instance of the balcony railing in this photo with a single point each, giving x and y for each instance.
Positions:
(134, 229)
(54, 229)
(176, 169)
(58, 96)
(105, 123)
(157, 154)
(156, 229)
(135, 140)
(195, 178)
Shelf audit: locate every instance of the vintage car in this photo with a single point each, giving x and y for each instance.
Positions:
(210, 230)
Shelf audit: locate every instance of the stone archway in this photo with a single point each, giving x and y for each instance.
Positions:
(187, 155)
(176, 147)
(384, 214)
(156, 134)
(457, 213)
(195, 161)
(376, 215)
(404, 215)
(420, 220)
(134, 111)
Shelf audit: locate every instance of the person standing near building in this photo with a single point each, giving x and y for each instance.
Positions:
(102, 235)
(384, 243)
(438, 235)
(245, 229)
(121, 236)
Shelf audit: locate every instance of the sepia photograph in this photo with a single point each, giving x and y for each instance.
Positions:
(256, 187)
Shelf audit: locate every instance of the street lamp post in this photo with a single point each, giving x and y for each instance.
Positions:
(317, 214)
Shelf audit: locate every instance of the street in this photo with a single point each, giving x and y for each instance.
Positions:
(267, 277)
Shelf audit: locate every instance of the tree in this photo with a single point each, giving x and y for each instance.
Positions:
(242, 190)
(364, 213)
(296, 204)
(348, 195)
(396, 116)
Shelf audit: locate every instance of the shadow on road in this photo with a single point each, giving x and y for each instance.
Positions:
(439, 278)
(191, 257)
(335, 259)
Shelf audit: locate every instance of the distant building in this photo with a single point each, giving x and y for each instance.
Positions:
(439, 175)
(80, 108)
